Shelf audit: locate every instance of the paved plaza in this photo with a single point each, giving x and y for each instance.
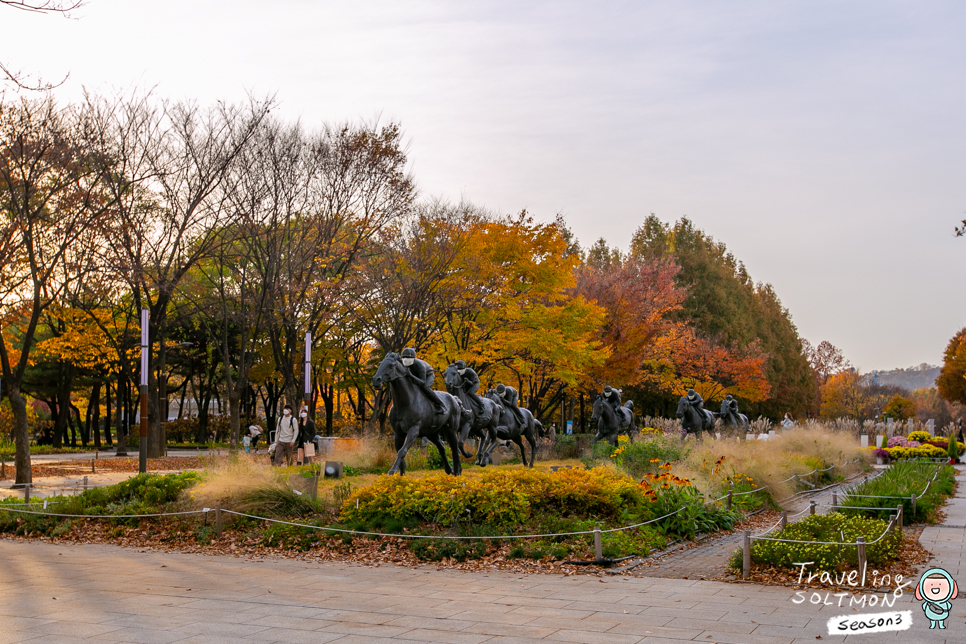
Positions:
(62, 594)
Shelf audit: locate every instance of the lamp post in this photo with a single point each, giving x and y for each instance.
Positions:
(143, 441)
(308, 370)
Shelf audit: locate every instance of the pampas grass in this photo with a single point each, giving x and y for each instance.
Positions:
(252, 486)
(770, 462)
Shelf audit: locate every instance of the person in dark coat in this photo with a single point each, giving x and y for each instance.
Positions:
(306, 433)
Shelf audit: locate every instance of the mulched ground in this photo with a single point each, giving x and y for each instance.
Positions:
(110, 464)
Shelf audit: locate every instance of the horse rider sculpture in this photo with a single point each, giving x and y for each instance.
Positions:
(470, 385)
(422, 375)
(729, 411)
(613, 396)
(509, 397)
(695, 400)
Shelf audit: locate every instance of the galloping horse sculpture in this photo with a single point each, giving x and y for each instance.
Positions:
(692, 419)
(472, 424)
(412, 415)
(611, 422)
(510, 429)
(730, 417)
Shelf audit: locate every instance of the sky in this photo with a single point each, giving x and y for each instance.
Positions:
(821, 141)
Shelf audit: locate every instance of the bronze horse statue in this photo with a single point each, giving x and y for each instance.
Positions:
(412, 416)
(473, 424)
(692, 420)
(511, 429)
(611, 422)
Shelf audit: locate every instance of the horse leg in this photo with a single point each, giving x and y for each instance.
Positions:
(464, 434)
(523, 452)
(531, 438)
(453, 448)
(434, 439)
(400, 464)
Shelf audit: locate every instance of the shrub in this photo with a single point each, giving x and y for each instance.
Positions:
(828, 528)
(920, 451)
(502, 498)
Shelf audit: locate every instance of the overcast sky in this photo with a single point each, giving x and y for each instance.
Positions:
(821, 141)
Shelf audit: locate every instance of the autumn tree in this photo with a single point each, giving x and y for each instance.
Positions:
(164, 162)
(899, 408)
(727, 308)
(826, 359)
(952, 376)
(52, 205)
(843, 395)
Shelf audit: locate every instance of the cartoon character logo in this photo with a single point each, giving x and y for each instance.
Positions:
(937, 589)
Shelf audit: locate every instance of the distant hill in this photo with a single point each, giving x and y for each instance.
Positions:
(912, 378)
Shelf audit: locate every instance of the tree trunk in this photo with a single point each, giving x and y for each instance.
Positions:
(107, 413)
(21, 434)
(94, 415)
(121, 409)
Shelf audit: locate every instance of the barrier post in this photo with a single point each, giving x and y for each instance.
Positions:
(85, 483)
(811, 508)
(892, 523)
(598, 547)
(860, 545)
(218, 521)
(93, 468)
(784, 523)
(913, 497)
(730, 491)
(26, 493)
(899, 516)
(746, 555)
(795, 483)
(835, 500)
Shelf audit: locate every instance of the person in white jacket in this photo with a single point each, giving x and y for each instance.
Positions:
(286, 433)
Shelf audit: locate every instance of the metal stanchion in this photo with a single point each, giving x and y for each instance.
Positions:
(746, 555)
(598, 547)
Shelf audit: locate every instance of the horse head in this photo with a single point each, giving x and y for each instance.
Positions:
(683, 407)
(390, 368)
(452, 378)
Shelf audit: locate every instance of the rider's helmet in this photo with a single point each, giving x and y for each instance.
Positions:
(729, 397)
(501, 389)
(608, 390)
(460, 366)
(692, 394)
(408, 356)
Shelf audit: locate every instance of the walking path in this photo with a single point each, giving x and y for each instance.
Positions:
(63, 594)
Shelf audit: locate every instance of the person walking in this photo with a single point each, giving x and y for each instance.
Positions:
(306, 437)
(286, 435)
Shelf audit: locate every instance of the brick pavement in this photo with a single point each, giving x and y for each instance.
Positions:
(62, 594)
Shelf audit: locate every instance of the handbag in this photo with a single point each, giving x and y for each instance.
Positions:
(309, 449)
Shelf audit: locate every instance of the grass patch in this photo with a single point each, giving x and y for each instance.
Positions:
(900, 481)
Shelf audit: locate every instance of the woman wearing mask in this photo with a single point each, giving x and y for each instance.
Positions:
(286, 435)
(306, 436)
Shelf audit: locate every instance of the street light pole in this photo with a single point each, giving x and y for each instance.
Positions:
(308, 369)
(143, 442)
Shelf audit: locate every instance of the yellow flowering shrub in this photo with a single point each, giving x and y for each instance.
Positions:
(507, 497)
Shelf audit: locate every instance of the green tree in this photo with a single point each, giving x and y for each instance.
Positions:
(725, 305)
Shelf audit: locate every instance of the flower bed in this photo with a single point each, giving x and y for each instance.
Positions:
(827, 528)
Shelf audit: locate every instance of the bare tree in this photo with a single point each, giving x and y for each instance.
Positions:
(53, 205)
(17, 78)
(164, 163)
(332, 193)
